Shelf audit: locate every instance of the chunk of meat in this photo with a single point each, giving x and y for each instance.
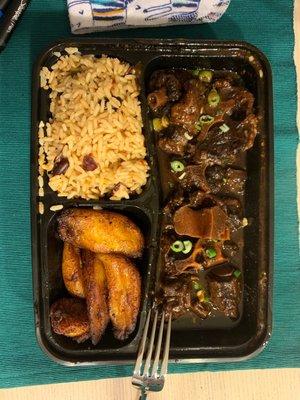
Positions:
(174, 202)
(225, 293)
(239, 137)
(168, 80)
(222, 144)
(225, 88)
(200, 258)
(208, 223)
(231, 206)
(157, 99)
(178, 296)
(174, 142)
(194, 178)
(249, 129)
(244, 101)
(229, 249)
(234, 211)
(225, 179)
(188, 110)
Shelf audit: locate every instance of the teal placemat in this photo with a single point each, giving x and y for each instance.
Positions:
(266, 24)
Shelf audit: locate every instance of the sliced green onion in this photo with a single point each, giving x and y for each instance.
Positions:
(237, 273)
(157, 125)
(187, 136)
(198, 126)
(206, 119)
(205, 76)
(196, 72)
(197, 285)
(206, 299)
(188, 245)
(224, 128)
(211, 252)
(182, 176)
(213, 98)
(177, 166)
(165, 121)
(177, 246)
(244, 221)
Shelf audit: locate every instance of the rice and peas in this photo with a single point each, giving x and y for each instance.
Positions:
(93, 143)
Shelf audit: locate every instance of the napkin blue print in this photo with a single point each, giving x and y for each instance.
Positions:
(96, 15)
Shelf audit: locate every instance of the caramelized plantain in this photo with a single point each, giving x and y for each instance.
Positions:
(72, 270)
(124, 288)
(96, 294)
(69, 318)
(100, 231)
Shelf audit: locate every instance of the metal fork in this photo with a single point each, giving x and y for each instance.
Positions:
(152, 378)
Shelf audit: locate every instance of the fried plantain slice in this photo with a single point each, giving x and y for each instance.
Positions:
(72, 270)
(100, 231)
(124, 293)
(69, 318)
(96, 292)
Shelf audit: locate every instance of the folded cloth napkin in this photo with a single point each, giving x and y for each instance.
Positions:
(99, 15)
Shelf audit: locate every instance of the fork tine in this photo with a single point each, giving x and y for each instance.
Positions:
(150, 349)
(139, 360)
(157, 352)
(164, 365)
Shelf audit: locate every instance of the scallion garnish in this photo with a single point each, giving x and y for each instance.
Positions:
(211, 252)
(205, 76)
(198, 126)
(177, 246)
(197, 285)
(196, 72)
(213, 98)
(206, 119)
(187, 246)
(237, 273)
(224, 128)
(177, 166)
(187, 136)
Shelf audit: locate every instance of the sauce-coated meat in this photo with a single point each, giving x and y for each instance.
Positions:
(205, 122)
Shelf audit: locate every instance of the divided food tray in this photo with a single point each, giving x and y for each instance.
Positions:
(200, 342)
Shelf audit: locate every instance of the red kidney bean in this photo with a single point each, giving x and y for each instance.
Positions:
(60, 166)
(89, 164)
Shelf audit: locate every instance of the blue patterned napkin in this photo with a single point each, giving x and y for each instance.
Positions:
(98, 15)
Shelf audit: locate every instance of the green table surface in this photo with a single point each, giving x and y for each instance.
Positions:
(266, 24)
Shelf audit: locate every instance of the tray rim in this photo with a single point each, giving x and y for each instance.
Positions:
(202, 45)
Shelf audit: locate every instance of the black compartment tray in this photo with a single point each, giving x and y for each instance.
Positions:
(200, 342)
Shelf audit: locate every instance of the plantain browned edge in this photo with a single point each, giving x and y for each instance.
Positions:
(72, 270)
(124, 288)
(96, 294)
(69, 317)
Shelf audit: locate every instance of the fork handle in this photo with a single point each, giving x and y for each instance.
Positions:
(143, 395)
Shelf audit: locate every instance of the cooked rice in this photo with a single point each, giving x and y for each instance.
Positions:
(95, 111)
(57, 207)
(41, 207)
